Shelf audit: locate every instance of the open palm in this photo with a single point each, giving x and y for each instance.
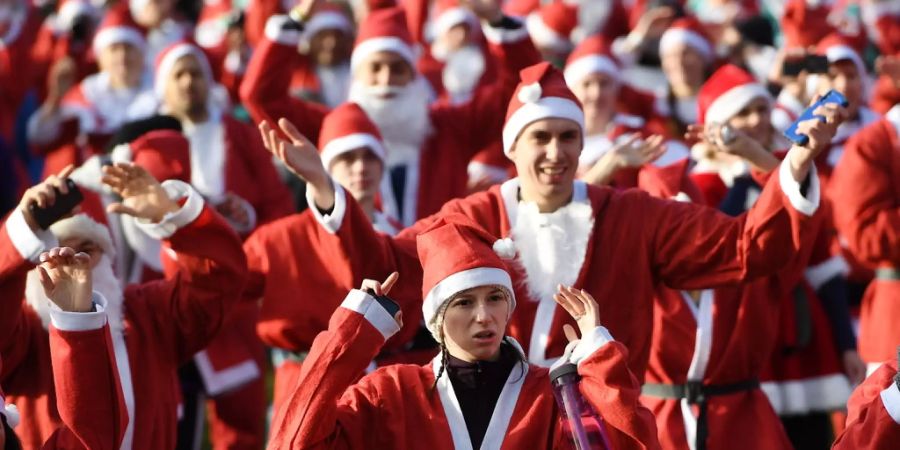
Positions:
(297, 153)
(142, 195)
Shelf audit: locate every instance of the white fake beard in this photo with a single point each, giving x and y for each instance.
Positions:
(104, 281)
(462, 71)
(403, 119)
(552, 246)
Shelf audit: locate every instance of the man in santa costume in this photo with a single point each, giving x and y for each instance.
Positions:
(71, 126)
(612, 244)
(865, 197)
(479, 389)
(155, 326)
(429, 146)
(160, 22)
(873, 413)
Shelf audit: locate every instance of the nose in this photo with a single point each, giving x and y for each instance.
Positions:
(481, 312)
(552, 150)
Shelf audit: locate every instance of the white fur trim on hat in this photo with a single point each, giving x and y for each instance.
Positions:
(344, 144)
(547, 107)
(168, 63)
(453, 17)
(116, 35)
(837, 53)
(545, 36)
(458, 282)
(734, 100)
(70, 11)
(381, 44)
(675, 36)
(83, 227)
(588, 65)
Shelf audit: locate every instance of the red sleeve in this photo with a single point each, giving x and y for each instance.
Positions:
(868, 217)
(869, 424)
(88, 392)
(14, 327)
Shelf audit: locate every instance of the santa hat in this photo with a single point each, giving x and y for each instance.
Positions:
(729, 90)
(81, 226)
(347, 128)
(592, 55)
(888, 32)
(456, 254)
(804, 23)
(837, 47)
(165, 154)
(383, 30)
(328, 17)
(117, 27)
(687, 31)
(542, 93)
(67, 11)
(212, 25)
(166, 60)
(552, 25)
(448, 14)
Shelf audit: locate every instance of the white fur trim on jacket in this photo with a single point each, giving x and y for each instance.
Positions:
(547, 107)
(28, 243)
(504, 35)
(460, 281)
(276, 32)
(372, 311)
(326, 20)
(819, 394)
(344, 144)
(806, 205)
(589, 344)
(823, 272)
(171, 222)
(331, 222)
(219, 382)
(676, 36)
(381, 44)
(80, 321)
(734, 100)
(117, 35)
(890, 397)
(582, 67)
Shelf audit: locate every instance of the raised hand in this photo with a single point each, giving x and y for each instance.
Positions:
(304, 10)
(820, 133)
(582, 307)
(43, 194)
(635, 152)
(301, 158)
(739, 144)
(381, 290)
(142, 196)
(487, 10)
(66, 278)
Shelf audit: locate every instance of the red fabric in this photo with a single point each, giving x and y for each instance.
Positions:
(722, 80)
(885, 95)
(804, 26)
(327, 411)
(18, 72)
(711, 186)
(868, 220)
(869, 426)
(166, 322)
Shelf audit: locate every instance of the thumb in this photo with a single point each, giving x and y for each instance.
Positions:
(570, 332)
(291, 131)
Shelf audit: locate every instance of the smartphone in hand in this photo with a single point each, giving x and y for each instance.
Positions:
(831, 96)
(63, 204)
(386, 302)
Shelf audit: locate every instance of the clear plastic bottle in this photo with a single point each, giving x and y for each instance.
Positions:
(585, 427)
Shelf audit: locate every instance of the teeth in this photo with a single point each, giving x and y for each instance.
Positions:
(552, 170)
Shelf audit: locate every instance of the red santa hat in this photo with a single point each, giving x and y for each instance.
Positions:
(837, 47)
(887, 26)
(552, 25)
(687, 31)
(542, 93)
(166, 60)
(592, 55)
(328, 17)
(69, 10)
(729, 90)
(383, 30)
(805, 22)
(456, 254)
(347, 128)
(448, 14)
(212, 25)
(81, 226)
(117, 27)
(165, 154)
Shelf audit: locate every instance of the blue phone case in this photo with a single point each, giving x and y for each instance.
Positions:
(831, 97)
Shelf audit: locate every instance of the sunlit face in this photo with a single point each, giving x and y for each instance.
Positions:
(123, 63)
(330, 47)
(597, 93)
(186, 89)
(84, 245)
(546, 158)
(384, 69)
(844, 77)
(475, 322)
(683, 66)
(359, 171)
(754, 120)
(154, 12)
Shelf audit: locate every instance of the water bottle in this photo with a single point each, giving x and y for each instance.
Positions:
(579, 420)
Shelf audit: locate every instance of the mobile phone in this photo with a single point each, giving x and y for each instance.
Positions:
(386, 302)
(792, 67)
(831, 96)
(62, 205)
(816, 63)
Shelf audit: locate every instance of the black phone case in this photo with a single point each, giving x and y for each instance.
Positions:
(386, 302)
(64, 204)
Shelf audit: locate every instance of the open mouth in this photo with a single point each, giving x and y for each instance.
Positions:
(484, 336)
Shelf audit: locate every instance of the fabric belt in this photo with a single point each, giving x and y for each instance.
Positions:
(697, 393)
(887, 273)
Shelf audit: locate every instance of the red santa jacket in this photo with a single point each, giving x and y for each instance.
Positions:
(873, 413)
(396, 407)
(17, 68)
(458, 131)
(165, 323)
(634, 243)
(866, 195)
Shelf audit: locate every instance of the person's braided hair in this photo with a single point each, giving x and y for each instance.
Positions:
(445, 354)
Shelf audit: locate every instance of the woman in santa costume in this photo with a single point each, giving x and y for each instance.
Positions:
(155, 326)
(873, 413)
(613, 244)
(429, 145)
(480, 392)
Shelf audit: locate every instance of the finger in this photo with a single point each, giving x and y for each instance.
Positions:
(591, 306)
(389, 282)
(119, 208)
(117, 184)
(46, 281)
(291, 131)
(564, 302)
(55, 252)
(66, 252)
(264, 129)
(81, 259)
(570, 332)
(575, 297)
(45, 256)
(66, 171)
(45, 198)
